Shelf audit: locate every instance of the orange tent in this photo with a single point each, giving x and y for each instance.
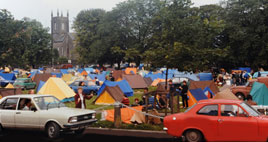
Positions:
(131, 71)
(126, 114)
(84, 73)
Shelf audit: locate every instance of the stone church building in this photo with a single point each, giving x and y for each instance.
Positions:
(62, 39)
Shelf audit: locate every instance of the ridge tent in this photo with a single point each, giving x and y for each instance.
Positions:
(225, 94)
(135, 81)
(43, 77)
(57, 74)
(203, 85)
(41, 84)
(109, 95)
(64, 71)
(89, 70)
(80, 70)
(195, 95)
(8, 76)
(101, 77)
(66, 77)
(157, 81)
(9, 85)
(189, 76)
(118, 75)
(154, 76)
(205, 76)
(84, 73)
(123, 85)
(259, 93)
(131, 71)
(148, 81)
(57, 88)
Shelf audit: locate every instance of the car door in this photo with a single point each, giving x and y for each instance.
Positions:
(25, 118)
(235, 125)
(8, 110)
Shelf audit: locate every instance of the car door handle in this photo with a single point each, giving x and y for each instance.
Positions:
(18, 113)
(220, 120)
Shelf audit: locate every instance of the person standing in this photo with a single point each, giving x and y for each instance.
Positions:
(80, 98)
(184, 90)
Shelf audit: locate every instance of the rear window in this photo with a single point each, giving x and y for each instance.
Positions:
(211, 110)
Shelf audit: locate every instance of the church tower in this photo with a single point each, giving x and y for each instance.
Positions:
(62, 40)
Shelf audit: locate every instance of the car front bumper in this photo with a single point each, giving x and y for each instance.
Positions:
(79, 125)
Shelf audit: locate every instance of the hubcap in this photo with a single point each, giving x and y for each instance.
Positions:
(51, 131)
(193, 136)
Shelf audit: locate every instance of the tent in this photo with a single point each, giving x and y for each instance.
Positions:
(101, 77)
(118, 75)
(123, 84)
(247, 69)
(8, 76)
(43, 77)
(126, 114)
(80, 70)
(195, 95)
(157, 81)
(225, 94)
(259, 93)
(205, 76)
(67, 77)
(208, 92)
(148, 81)
(41, 84)
(58, 88)
(9, 85)
(225, 87)
(131, 71)
(182, 75)
(203, 85)
(83, 73)
(56, 74)
(89, 70)
(64, 71)
(135, 81)
(109, 95)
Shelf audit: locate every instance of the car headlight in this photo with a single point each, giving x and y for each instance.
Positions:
(72, 119)
(93, 116)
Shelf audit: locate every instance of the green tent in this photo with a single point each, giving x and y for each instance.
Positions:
(259, 93)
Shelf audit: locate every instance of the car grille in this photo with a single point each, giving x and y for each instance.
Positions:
(84, 117)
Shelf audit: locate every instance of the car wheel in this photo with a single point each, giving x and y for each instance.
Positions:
(79, 132)
(53, 130)
(193, 136)
(1, 130)
(240, 96)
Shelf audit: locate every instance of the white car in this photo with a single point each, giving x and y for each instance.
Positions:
(43, 112)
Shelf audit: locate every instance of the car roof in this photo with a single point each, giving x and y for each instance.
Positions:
(220, 101)
(26, 95)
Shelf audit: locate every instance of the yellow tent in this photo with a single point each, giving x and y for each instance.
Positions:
(67, 77)
(158, 80)
(58, 88)
(9, 86)
(109, 96)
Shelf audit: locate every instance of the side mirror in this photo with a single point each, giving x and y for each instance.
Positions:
(33, 109)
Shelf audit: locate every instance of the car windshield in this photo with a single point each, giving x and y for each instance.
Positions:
(48, 102)
(250, 110)
(19, 81)
(189, 108)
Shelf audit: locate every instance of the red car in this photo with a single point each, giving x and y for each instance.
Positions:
(218, 120)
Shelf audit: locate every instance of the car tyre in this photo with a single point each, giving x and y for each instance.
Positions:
(1, 130)
(193, 136)
(53, 130)
(240, 96)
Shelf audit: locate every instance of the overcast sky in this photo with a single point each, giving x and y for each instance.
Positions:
(41, 9)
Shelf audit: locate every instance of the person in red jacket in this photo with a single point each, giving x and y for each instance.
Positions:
(80, 98)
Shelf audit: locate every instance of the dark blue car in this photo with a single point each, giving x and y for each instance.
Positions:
(87, 89)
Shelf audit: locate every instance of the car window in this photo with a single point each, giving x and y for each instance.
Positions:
(10, 104)
(229, 110)
(26, 104)
(76, 83)
(211, 110)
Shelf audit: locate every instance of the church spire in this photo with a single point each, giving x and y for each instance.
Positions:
(68, 13)
(58, 12)
(51, 13)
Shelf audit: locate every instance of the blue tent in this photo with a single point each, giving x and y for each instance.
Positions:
(59, 75)
(123, 85)
(64, 71)
(8, 76)
(101, 77)
(155, 76)
(41, 83)
(80, 70)
(259, 93)
(205, 76)
(263, 74)
(247, 69)
(190, 76)
(207, 89)
(32, 74)
(89, 70)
